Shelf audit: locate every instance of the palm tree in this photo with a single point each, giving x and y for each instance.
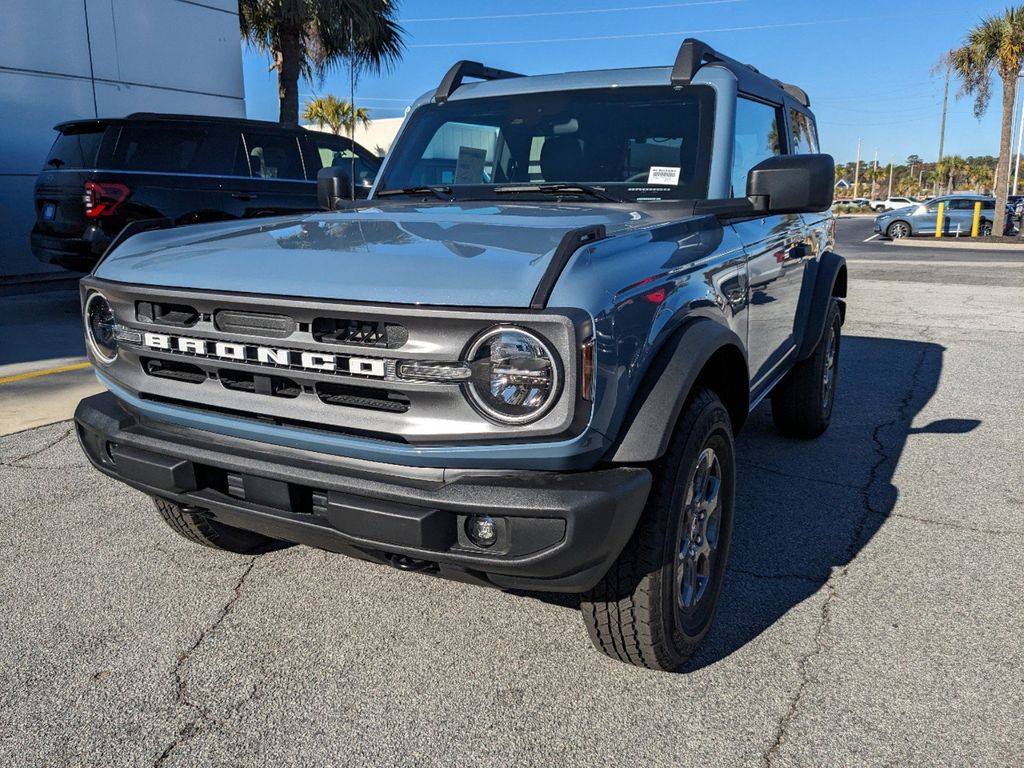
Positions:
(336, 114)
(995, 45)
(309, 38)
(951, 170)
(351, 118)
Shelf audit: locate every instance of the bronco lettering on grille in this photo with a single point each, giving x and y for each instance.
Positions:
(323, 362)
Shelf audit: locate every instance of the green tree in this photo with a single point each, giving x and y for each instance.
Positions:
(951, 170)
(309, 38)
(994, 46)
(336, 114)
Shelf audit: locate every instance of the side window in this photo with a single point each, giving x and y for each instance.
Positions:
(757, 139)
(274, 155)
(173, 149)
(333, 153)
(960, 204)
(803, 136)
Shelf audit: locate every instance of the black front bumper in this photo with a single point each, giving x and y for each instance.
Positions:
(557, 531)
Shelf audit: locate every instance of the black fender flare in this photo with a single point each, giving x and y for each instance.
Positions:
(652, 416)
(824, 280)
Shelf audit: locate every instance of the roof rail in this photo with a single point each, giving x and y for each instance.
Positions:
(463, 69)
(796, 92)
(693, 54)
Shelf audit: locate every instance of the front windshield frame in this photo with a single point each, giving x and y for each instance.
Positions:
(519, 121)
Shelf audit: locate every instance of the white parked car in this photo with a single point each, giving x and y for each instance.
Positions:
(892, 203)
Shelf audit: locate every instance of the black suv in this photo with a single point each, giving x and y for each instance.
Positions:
(101, 175)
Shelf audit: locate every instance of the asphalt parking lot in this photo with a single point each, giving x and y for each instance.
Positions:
(871, 614)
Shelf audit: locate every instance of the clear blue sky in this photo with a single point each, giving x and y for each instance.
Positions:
(865, 63)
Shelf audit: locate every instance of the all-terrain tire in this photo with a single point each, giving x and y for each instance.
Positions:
(635, 612)
(802, 402)
(195, 526)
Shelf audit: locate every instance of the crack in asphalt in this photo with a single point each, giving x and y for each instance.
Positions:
(956, 526)
(818, 580)
(204, 717)
(794, 476)
(32, 454)
(882, 452)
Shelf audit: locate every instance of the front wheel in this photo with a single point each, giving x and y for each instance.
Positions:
(985, 229)
(195, 525)
(898, 230)
(657, 601)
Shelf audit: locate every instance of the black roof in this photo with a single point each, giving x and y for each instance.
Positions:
(170, 118)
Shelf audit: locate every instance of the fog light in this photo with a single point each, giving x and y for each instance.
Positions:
(482, 530)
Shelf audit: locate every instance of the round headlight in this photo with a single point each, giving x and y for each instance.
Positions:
(100, 327)
(514, 376)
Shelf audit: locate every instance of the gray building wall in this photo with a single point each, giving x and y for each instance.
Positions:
(67, 59)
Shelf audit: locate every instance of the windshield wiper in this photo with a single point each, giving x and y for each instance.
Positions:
(440, 191)
(559, 189)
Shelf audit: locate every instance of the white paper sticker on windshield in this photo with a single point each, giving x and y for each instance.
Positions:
(663, 174)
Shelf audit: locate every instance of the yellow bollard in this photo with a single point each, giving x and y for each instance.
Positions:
(939, 220)
(976, 225)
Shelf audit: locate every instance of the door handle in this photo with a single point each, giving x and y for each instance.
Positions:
(244, 195)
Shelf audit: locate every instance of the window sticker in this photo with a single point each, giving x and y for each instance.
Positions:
(469, 168)
(663, 174)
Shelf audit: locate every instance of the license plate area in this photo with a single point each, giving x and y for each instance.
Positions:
(49, 211)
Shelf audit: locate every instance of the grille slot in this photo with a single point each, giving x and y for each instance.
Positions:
(174, 370)
(362, 397)
(368, 333)
(277, 386)
(181, 315)
(254, 324)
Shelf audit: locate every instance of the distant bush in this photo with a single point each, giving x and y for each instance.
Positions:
(851, 209)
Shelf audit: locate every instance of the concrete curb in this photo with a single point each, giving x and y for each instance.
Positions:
(962, 244)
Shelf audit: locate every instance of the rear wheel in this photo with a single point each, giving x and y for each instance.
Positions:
(195, 525)
(802, 402)
(657, 601)
(985, 229)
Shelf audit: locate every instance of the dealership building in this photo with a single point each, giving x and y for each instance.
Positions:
(71, 59)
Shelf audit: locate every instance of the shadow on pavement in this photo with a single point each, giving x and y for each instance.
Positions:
(41, 326)
(805, 508)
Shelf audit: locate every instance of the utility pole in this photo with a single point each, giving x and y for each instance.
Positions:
(874, 176)
(352, 105)
(945, 105)
(890, 178)
(856, 173)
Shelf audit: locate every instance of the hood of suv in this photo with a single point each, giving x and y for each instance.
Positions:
(468, 254)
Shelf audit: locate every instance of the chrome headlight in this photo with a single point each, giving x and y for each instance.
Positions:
(101, 328)
(514, 376)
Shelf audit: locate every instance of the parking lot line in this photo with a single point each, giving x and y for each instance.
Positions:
(45, 372)
(871, 238)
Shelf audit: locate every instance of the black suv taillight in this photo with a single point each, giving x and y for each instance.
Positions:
(103, 198)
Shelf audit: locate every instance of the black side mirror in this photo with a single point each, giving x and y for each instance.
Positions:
(332, 186)
(792, 184)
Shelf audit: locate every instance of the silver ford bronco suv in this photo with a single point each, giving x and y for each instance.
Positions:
(520, 363)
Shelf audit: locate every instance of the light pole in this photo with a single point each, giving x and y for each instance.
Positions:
(856, 172)
(890, 179)
(945, 104)
(874, 176)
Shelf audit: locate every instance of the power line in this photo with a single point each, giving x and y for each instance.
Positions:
(571, 13)
(686, 33)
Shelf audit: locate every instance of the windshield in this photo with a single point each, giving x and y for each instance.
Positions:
(630, 143)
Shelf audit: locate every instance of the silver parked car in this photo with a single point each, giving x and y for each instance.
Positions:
(920, 219)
